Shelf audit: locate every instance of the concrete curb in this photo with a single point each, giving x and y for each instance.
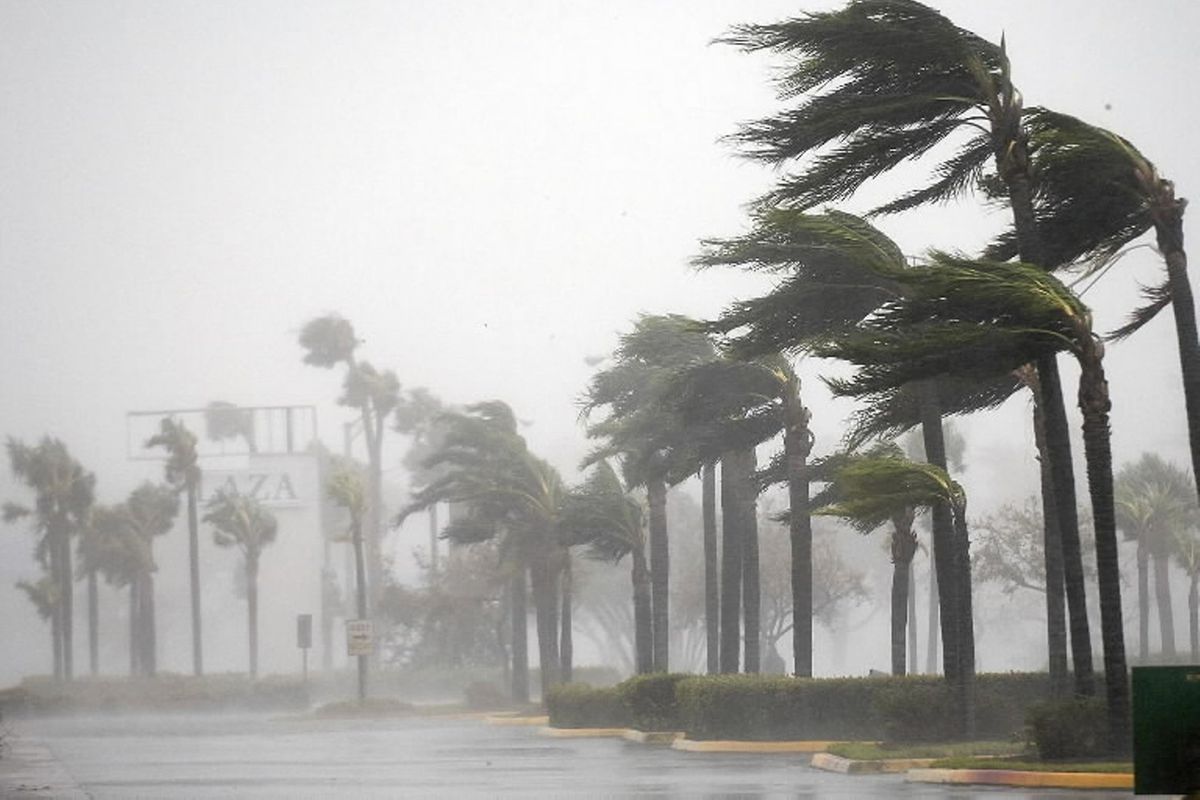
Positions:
(1031, 780)
(732, 746)
(848, 766)
(29, 769)
(582, 733)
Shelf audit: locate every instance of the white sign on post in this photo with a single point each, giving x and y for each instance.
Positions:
(360, 637)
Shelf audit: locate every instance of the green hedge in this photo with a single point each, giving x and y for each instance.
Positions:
(578, 705)
(1074, 728)
(653, 701)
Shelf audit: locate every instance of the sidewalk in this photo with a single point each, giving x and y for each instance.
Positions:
(29, 770)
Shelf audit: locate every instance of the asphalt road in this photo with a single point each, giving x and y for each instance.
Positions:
(248, 756)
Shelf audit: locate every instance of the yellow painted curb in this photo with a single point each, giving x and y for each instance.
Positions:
(731, 746)
(1032, 780)
(581, 733)
(848, 766)
(651, 737)
(495, 720)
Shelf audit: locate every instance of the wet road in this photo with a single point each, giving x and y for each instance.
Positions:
(264, 757)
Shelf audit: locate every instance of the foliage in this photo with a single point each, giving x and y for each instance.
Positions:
(1155, 502)
(652, 701)
(871, 751)
(1007, 547)
(580, 705)
(1021, 764)
(241, 521)
(165, 693)
(1074, 728)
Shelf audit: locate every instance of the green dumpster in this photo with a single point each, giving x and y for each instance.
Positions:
(1166, 730)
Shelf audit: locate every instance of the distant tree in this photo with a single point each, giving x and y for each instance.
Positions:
(1187, 552)
(1155, 505)
(224, 420)
(329, 341)
(345, 489)
(63, 495)
(182, 471)
(243, 522)
(416, 416)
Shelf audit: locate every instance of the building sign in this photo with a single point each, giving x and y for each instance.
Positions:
(272, 488)
(360, 637)
(304, 631)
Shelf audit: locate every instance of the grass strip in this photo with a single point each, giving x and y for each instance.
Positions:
(1029, 765)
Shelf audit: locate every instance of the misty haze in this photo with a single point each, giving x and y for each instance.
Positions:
(598, 399)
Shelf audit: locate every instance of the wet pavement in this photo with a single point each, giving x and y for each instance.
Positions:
(298, 757)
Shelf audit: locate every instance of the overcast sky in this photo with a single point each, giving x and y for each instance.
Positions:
(490, 191)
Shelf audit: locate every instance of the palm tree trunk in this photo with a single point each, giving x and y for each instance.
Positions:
(67, 589)
(360, 585)
(797, 444)
(731, 563)
(1168, 227)
(252, 611)
(133, 629)
(433, 540)
(911, 632)
(944, 546)
(643, 625)
(374, 509)
(520, 638)
(194, 565)
(1194, 616)
(1012, 163)
(712, 592)
(1162, 601)
(545, 608)
(1095, 404)
(566, 644)
(56, 640)
(148, 627)
(904, 547)
(93, 595)
(656, 496)
(931, 649)
(1143, 587)
(751, 589)
(1056, 611)
(965, 680)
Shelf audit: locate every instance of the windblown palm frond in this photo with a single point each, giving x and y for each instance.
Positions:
(601, 515)
(872, 489)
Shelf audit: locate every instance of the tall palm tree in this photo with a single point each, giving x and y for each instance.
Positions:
(345, 489)
(63, 495)
(602, 516)
(329, 341)
(183, 472)
(647, 437)
(733, 405)
(955, 308)
(1155, 504)
(509, 493)
(832, 273)
(243, 522)
(882, 82)
(858, 489)
(1187, 552)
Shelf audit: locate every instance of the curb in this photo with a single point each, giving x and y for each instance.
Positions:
(847, 766)
(1033, 780)
(581, 733)
(732, 746)
(29, 769)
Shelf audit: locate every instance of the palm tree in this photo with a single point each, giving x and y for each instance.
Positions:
(601, 515)
(954, 309)
(416, 416)
(832, 273)
(509, 493)
(1155, 504)
(243, 522)
(183, 472)
(881, 82)
(63, 495)
(864, 498)
(1187, 552)
(732, 406)
(345, 489)
(328, 341)
(646, 436)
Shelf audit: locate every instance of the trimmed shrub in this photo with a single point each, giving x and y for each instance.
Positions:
(1074, 728)
(652, 701)
(578, 705)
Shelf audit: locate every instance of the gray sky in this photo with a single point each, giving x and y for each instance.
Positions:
(489, 191)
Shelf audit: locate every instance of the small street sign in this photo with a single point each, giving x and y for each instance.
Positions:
(360, 637)
(304, 631)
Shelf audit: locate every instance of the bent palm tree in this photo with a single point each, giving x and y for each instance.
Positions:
(345, 489)
(953, 309)
(183, 472)
(243, 522)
